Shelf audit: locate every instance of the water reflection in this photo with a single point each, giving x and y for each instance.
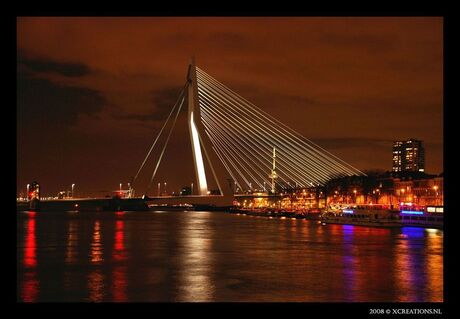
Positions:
(119, 246)
(434, 264)
(119, 280)
(72, 243)
(30, 284)
(349, 267)
(96, 285)
(30, 257)
(410, 263)
(96, 277)
(195, 281)
(96, 246)
(202, 256)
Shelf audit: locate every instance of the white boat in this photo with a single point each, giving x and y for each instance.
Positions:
(429, 216)
(384, 216)
(364, 215)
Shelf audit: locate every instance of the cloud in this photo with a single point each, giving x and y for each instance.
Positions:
(353, 142)
(371, 42)
(162, 102)
(229, 41)
(43, 103)
(43, 65)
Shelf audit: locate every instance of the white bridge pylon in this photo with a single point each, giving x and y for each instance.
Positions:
(241, 139)
(194, 116)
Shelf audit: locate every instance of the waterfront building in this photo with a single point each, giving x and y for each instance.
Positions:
(423, 192)
(408, 156)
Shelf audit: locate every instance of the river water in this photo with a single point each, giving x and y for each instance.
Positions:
(215, 256)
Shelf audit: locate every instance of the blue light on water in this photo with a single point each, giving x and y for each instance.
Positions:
(348, 211)
(411, 212)
(348, 230)
(413, 232)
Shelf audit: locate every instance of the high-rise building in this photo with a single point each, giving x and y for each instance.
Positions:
(408, 156)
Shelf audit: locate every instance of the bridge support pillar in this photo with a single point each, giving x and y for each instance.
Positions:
(194, 119)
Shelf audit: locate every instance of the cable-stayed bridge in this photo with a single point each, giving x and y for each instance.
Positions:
(240, 147)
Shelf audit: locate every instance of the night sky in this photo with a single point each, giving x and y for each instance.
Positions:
(92, 93)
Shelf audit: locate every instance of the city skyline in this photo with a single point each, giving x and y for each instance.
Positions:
(97, 90)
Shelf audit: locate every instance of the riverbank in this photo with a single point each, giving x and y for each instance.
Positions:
(368, 218)
(277, 214)
(85, 204)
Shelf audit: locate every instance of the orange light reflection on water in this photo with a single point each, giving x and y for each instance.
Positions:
(434, 264)
(96, 245)
(95, 277)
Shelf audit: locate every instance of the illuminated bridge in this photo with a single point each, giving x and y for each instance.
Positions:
(241, 147)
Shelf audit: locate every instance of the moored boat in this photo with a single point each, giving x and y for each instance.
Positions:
(384, 216)
(364, 215)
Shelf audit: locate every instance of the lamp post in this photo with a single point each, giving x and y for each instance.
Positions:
(27, 195)
(73, 185)
(159, 189)
(165, 189)
(191, 189)
(354, 192)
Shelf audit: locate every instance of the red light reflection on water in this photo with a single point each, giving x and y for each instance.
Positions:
(30, 285)
(119, 284)
(119, 236)
(120, 214)
(30, 258)
(119, 271)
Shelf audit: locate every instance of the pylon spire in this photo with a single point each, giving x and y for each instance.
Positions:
(273, 175)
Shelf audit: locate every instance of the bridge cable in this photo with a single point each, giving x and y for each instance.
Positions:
(164, 147)
(158, 136)
(224, 109)
(270, 118)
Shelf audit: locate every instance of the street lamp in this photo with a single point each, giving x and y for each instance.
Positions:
(165, 189)
(28, 187)
(191, 189)
(402, 194)
(435, 187)
(73, 185)
(120, 186)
